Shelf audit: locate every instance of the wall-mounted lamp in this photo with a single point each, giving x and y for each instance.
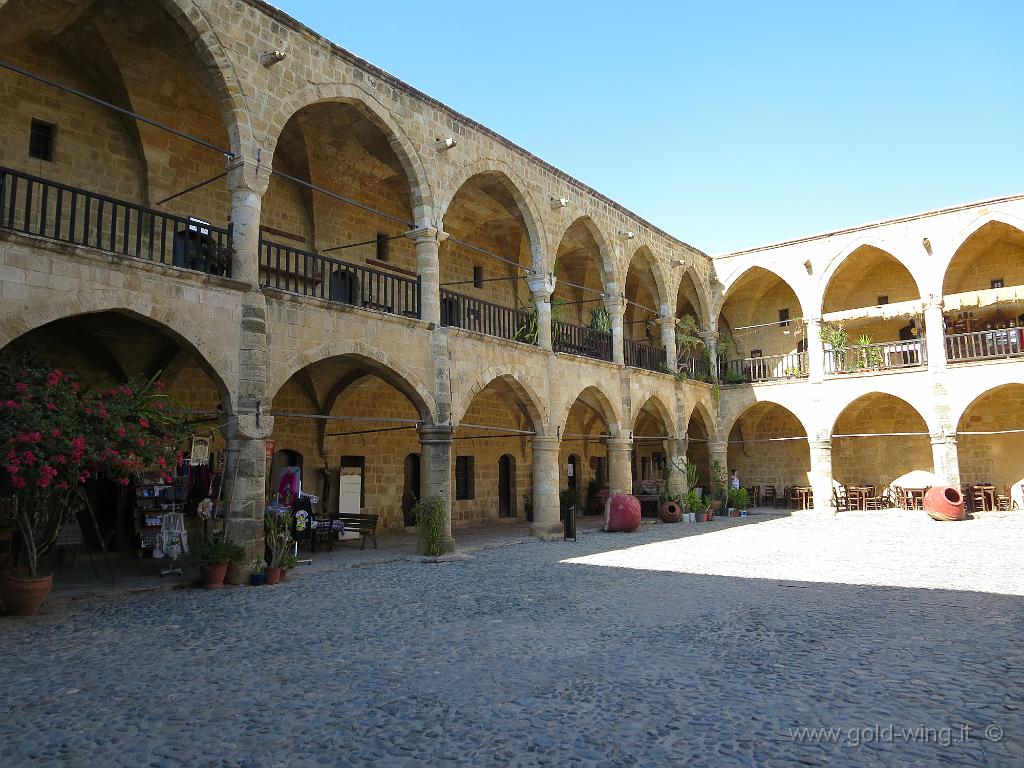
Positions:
(270, 58)
(627, 235)
(927, 245)
(559, 202)
(808, 266)
(677, 262)
(443, 145)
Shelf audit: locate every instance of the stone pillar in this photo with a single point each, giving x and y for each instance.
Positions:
(676, 453)
(815, 350)
(821, 475)
(615, 311)
(620, 465)
(710, 339)
(547, 519)
(945, 458)
(719, 450)
(436, 478)
(542, 286)
(668, 338)
(247, 182)
(935, 337)
(245, 481)
(428, 266)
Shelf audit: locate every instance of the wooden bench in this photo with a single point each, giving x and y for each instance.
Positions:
(364, 525)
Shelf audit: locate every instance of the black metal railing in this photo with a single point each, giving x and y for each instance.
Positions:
(985, 345)
(461, 311)
(887, 355)
(35, 206)
(767, 368)
(312, 274)
(697, 368)
(580, 340)
(640, 354)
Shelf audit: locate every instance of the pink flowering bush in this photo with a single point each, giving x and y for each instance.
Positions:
(55, 434)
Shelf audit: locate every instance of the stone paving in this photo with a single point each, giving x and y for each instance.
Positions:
(699, 645)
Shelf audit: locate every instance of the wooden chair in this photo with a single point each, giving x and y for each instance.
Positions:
(770, 497)
(755, 495)
(1003, 500)
(977, 498)
(840, 499)
(965, 490)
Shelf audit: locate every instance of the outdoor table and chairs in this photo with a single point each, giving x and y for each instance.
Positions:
(914, 498)
(803, 497)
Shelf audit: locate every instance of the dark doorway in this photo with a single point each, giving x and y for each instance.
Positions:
(411, 491)
(507, 486)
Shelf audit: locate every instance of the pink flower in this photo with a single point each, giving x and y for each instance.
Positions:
(29, 458)
(123, 481)
(121, 432)
(18, 482)
(51, 407)
(144, 423)
(54, 377)
(46, 474)
(13, 469)
(21, 386)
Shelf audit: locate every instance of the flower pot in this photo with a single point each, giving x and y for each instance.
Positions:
(213, 575)
(274, 575)
(701, 517)
(237, 575)
(943, 502)
(23, 596)
(257, 579)
(669, 512)
(734, 513)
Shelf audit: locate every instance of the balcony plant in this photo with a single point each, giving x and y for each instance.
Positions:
(600, 320)
(56, 435)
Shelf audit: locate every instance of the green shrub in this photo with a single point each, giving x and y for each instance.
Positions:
(219, 552)
(739, 498)
(429, 513)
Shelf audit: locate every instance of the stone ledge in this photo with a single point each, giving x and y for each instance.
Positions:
(336, 307)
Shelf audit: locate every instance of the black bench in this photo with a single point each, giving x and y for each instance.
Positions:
(364, 525)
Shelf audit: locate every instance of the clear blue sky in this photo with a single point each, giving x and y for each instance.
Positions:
(727, 124)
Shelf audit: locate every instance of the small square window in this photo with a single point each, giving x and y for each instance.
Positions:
(997, 283)
(382, 247)
(40, 140)
(464, 480)
(756, 353)
(784, 317)
(478, 277)
(883, 300)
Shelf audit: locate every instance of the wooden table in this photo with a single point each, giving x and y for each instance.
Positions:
(915, 497)
(804, 497)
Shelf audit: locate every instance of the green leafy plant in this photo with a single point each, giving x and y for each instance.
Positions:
(867, 356)
(694, 503)
(600, 320)
(257, 567)
(719, 480)
(732, 376)
(429, 513)
(739, 498)
(289, 561)
(688, 338)
(716, 393)
(216, 551)
(568, 498)
(277, 533)
(528, 331)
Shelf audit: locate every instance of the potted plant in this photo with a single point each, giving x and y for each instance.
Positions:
(430, 514)
(695, 504)
(56, 435)
(719, 484)
(288, 562)
(277, 534)
(257, 572)
(214, 557)
(738, 501)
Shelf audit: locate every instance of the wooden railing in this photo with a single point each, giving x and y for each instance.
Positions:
(697, 368)
(767, 368)
(875, 357)
(579, 340)
(461, 311)
(639, 354)
(985, 345)
(312, 274)
(35, 206)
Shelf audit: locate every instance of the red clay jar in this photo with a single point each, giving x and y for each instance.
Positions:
(944, 502)
(624, 515)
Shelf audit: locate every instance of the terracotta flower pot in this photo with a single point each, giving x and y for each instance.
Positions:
(734, 513)
(23, 596)
(944, 502)
(669, 512)
(274, 575)
(213, 575)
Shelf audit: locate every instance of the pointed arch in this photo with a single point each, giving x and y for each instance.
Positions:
(738, 279)
(511, 376)
(643, 257)
(421, 194)
(703, 306)
(605, 255)
(596, 399)
(870, 248)
(990, 231)
(657, 405)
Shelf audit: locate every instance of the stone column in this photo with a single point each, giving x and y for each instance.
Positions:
(436, 461)
(668, 338)
(676, 453)
(945, 458)
(719, 450)
(547, 519)
(935, 337)
(428, 266)
(620, 465)
(245, 481)
(615, 311)
(542, 286)
(815, 350)
(247, 182)
(710, 339)
(821, 475)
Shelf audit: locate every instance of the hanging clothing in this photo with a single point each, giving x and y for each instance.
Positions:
(172, 540)
(289, 486)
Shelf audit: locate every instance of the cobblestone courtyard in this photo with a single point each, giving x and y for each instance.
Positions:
(677, 645)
